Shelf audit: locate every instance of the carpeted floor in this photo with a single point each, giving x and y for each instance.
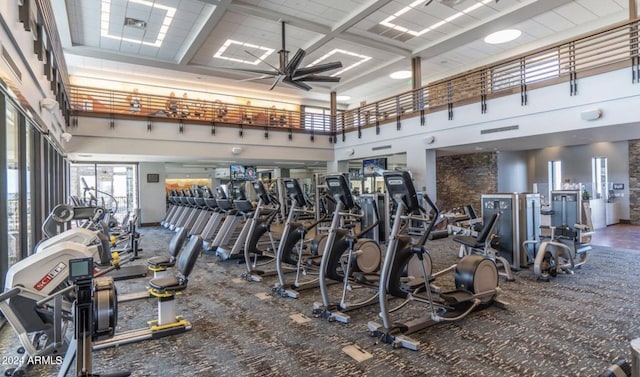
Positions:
(572, 326)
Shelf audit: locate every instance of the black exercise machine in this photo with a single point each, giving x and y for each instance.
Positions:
(476, 276)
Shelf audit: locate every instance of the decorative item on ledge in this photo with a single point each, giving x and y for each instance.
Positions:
(153, 178)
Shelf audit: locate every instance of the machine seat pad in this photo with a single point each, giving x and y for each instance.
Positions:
(456, 297)
(161, 261)
(470, 241)
(169, 283)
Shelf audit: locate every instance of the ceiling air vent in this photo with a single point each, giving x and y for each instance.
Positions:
(448, 3)
(499, 129)
(139, 24)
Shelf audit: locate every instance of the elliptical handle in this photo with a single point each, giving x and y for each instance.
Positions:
(432, 223)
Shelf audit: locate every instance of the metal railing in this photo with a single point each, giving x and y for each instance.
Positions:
(601, 51)
(98, 102)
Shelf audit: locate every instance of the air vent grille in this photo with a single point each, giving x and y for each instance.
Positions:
(499, 129)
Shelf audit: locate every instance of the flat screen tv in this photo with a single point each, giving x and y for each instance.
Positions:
(374, 166)
(250, 173)
(237, 172)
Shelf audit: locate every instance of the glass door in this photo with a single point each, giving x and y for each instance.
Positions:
(113, 186)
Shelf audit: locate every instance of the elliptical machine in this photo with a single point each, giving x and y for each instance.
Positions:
(347, 258)
(476, 276)
(265, 213)
(293, 254)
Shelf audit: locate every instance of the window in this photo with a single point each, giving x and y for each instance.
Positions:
(114, 186)
(599, 178)
(316, 118)
(534, 68)
(29, 194)
(13, 185)
(555, 176)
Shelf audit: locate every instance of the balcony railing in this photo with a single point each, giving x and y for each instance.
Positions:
(117, 104)
(605, 50)
(601, 51)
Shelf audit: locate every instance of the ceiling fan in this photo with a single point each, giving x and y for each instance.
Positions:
(289, 72)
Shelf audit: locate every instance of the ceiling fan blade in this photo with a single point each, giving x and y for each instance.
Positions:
(301, 72)
(278, 79)
(257, 78)
(293, 64)
(257, 57)
(257, 71)
(317, 78)
(297, 84)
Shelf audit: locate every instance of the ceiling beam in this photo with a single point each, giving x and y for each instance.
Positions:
(186, 54)
(338, 31)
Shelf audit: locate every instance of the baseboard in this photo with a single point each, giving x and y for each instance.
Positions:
(150, 224)
(625, 221)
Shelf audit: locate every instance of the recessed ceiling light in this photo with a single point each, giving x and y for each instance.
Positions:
(399, 75)
(502, 36)
(229, 42)
(416, 33)
(343, 98)
(362, 59)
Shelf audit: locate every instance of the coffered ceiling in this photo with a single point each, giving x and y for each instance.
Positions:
(199, 44)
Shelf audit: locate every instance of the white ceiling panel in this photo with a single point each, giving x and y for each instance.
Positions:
(554, 21)
(576, 13)
(199, 29)
(602, 7)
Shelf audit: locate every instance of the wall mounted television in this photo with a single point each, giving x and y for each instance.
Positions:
(374, 166)
(250, 173)
(237, 172)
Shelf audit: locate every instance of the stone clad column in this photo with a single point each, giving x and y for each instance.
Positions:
(634, 181)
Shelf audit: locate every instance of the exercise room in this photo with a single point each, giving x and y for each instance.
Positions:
(322, 188)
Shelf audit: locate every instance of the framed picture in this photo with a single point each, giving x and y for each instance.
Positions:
(153, 178)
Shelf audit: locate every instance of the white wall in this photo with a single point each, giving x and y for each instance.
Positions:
(152, 195)
(131, 138)
(576, 165)
(550, 110)
(512, 172)
(33, 85)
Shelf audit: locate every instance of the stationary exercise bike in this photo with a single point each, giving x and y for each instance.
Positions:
(348, 258)
(476, 276)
